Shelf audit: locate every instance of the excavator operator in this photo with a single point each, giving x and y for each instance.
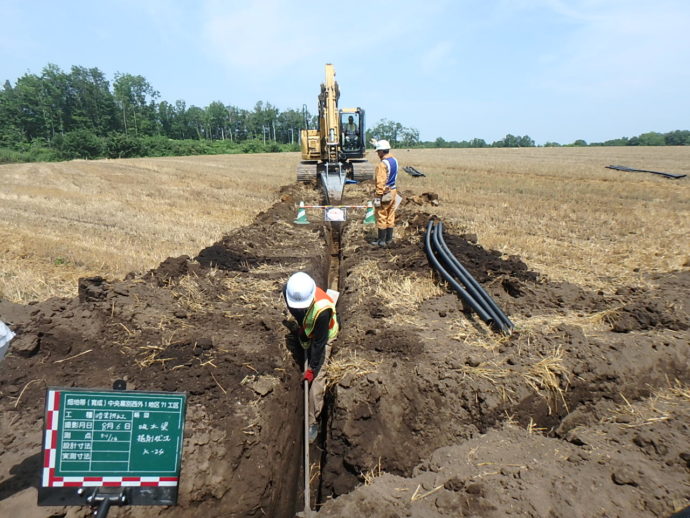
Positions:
(351, 133)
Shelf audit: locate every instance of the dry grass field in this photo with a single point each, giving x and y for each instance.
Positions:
(563, 212)
(559, 209)
(61, 221)
(426, 402)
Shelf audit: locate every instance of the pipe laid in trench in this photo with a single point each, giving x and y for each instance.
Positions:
(466, 297)
(482, 296)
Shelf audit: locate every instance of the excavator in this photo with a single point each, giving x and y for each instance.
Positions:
(334, 152)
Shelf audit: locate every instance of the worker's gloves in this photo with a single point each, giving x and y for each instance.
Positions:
(373, 141)
(377, 202)
(308, 375)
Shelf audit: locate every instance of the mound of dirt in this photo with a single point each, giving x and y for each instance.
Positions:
(428, 414)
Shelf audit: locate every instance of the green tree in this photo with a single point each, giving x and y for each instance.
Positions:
(525, 141)
(93, 103)
(394, 132)
(135, 98)
(261, 122)
(218, 120)
(11, 134)
(409, 137)
(288, 125)
(623, 141)
(677, 138)
(196, 121)
(652, 139)
(166, 118)
(119, 145)
(238, 121)
(81, 144)
(55, 99)
(181, 128)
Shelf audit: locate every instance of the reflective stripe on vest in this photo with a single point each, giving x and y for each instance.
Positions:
(321, 302)
(392, 166)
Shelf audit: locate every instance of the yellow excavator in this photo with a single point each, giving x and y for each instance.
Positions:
(335, 151)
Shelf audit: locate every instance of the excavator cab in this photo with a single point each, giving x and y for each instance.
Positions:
(352, 131)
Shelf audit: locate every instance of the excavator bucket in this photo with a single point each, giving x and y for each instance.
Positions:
(333, 182)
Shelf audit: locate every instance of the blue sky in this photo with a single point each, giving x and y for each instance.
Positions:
(556, 70)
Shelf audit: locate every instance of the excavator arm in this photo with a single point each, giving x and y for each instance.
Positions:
(323, 155)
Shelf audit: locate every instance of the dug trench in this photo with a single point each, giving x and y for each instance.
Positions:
(582, 411)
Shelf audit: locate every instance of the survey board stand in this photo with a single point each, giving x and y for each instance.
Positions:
(105, 448)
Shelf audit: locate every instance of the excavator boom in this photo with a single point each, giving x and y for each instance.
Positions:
(335, 150)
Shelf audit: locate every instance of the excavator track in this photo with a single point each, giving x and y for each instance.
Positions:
(362, 170)
(306, 171)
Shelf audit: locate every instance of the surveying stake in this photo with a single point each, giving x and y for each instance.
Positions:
(334, 213)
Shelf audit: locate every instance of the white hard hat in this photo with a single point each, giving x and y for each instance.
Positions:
(382, 145)
(300, 290)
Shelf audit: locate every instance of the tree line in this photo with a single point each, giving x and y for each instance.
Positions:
(671, 138)
(57, 115)
(78, 114)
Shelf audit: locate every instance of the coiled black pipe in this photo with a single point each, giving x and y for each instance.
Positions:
(454, 267)
(483, 298)
(466, 298)
(473, 294)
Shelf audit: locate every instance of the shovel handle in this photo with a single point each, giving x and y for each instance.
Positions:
(307, 468)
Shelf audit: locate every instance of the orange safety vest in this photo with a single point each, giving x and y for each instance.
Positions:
(321, 302)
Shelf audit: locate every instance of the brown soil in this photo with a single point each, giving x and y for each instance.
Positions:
(439, 428)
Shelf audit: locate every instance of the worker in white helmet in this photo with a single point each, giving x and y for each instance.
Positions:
(314, 310)
(385, 201)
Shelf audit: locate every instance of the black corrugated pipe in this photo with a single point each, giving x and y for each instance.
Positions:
(472, 287)
(466, 298)
(483, 298)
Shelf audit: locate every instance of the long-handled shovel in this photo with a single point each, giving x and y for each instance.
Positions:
(307, 474)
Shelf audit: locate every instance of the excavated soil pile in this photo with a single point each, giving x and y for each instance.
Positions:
(427, 414)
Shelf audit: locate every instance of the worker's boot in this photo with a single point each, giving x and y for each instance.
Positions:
(389, 236)
(381, 240)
